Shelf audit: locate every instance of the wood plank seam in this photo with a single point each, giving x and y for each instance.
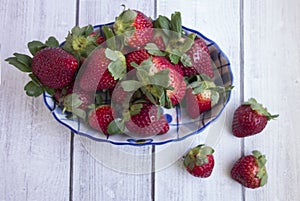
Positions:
(242, 65)
(153, 146)
(71, 178)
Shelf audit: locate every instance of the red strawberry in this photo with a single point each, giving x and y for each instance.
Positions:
(143, 121)
(137, 56)
(95, 75)
(136, 22)
(250, 171)
(54, 67)
(199, 161)
(99, 38)
(157, 39)
(201, 97)
(101, 117)
(118, 95)
(250, 118)
(200, 56)
(186, 71)
(176, 80)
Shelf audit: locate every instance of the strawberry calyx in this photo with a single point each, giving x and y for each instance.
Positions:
(72, 103)
(262, 172)
(177, 43)
(124, 22)
(197, 156)
(80, 42)
(260, 109)
(151, 82)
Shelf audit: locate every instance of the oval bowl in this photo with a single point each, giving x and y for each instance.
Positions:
(181, 127)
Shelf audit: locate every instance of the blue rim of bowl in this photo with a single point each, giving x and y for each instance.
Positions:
(143, 142)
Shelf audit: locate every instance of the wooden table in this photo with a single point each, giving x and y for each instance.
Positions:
(41, 160)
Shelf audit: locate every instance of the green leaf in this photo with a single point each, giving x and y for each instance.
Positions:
(174, 58)
(154, 50)
(131, 85)
(162, 22)
(176, 24)
(186, 60)
(35, 79)
(264, 179)
(14, 61)
(117, 69)
(32, 89)
(111, 54)
(79, 113)
(50, 91)
(161, 78)
(214, 97)
(117, 126)
(52, 42)
(135, 109)
(109, 36)
(24, 59)
(35, 46)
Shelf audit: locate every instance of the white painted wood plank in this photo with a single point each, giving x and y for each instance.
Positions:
(219, 21)
(34, 148)
(272, 52)
(95, 177)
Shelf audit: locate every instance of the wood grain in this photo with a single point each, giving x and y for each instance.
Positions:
(96, 176)
(34, 148)
(272, 72)
(219, 21)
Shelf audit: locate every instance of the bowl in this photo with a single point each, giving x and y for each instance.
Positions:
(181, 127)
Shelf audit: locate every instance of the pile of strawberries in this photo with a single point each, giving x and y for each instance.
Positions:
(144, 65)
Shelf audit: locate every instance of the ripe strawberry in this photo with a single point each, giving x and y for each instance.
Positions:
(54, 67)
(250, 118)
(99, 39)
(101, 117)
(175, 79)
(118, 95)
(202, 96)
(144, 121)
(157, 39)
(199, 161)
(200, 57)
(250, 171)
(137, 56)
(95, 74)
(136, 22)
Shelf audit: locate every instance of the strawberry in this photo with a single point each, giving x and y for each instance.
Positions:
(201, 96)
(54, 67)
(135, 26)
(145, 120)
(175, 79)
(199, 161)
(99, 39)
(118, 95)
(200, 57)
(250, 171)
(102, 70)
(158, 40)
(100, 118)
(137, 56)
(250, 118)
